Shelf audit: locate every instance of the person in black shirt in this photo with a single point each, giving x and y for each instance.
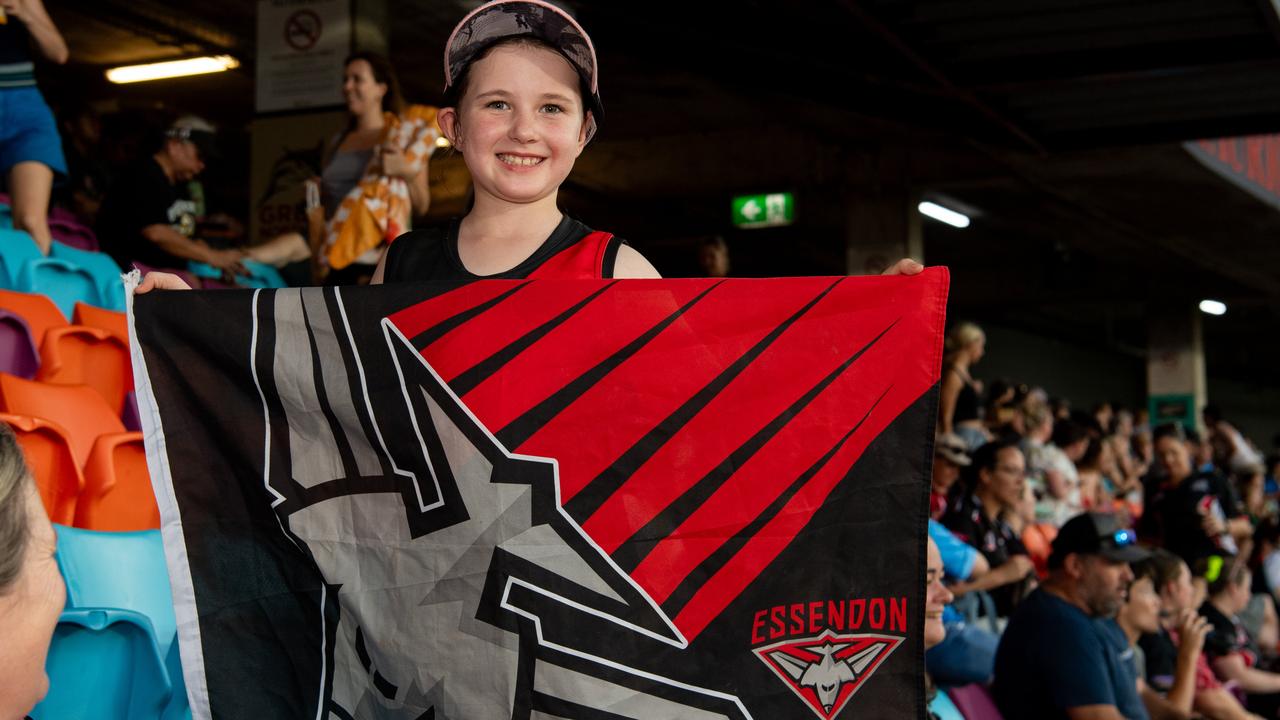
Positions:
(995, 481)
(1232, 653)
(1193, 514)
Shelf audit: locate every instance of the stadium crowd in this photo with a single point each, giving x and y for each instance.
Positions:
(1097, 566)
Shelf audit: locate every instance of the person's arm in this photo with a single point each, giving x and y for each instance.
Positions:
(175, 243)
(951, 384)
(1218, 704)
(43, 32)
(1094, 712)
(632, 265)
(1192, 629)
(380, 271)
(1160, 707)
(1251, 680)
(1013, 570)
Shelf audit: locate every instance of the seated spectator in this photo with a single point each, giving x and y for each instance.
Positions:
(1168, 650)
(1192, 514)
(968, 653)
(148, 216)
(31, 588)
(1050, 470)
(936, 598)
(1140, 615)
(1233, 654)
(1237, 453)
(950, 453)
(1053, 660)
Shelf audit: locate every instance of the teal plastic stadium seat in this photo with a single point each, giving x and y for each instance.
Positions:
(104, 665)
(63, 283)
(105, 272)
(125, 570)
(260, 275)
(16, 248)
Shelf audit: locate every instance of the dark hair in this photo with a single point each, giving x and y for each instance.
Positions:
(1231, 571)
(986, 457)
(393, 100)
(1169, 430)
(1212, 413)
(14, 521)
(1163, 567)
(453, 94)
(1068, 432)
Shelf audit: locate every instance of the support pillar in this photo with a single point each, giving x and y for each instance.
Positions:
(1176, 383)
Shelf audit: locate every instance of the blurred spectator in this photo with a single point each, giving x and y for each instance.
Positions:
(950, 454)
(1239, 454)
(1140, 615)
(1233, 654)
(960, 402)
(88, 175)
(1192, 514)
(995, 487)
(1050, 468)
(150, 217)
(1266, 552)
(713, 257)
(30, 153)
(936, 598)
(1273, 474)
(968, 653)
(1053, 660)
(31, 588)
(1168, 650)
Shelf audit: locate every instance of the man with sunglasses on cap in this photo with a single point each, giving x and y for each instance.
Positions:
(1054, 661)
(148, 216)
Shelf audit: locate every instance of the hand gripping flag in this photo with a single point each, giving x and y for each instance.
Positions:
(547, 500)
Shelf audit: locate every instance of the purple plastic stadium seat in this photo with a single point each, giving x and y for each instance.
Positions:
(130, 417)
(74, 234)
(18, 352)
(974, 702)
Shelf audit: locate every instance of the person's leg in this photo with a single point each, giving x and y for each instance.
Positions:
(30, 183)
(281, 250)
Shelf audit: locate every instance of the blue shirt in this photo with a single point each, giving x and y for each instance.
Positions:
(958, 557)
(1053, 657)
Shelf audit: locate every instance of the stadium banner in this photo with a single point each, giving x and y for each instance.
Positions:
(544, 499)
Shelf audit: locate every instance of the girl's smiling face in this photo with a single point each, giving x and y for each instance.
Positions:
(520, 124)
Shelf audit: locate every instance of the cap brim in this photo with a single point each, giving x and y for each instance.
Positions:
(1129, 554)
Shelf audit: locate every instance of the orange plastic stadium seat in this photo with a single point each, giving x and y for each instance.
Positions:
(79, 355)
(1038, 539)
(79, 409)
(48, 453)
(117, 493)
(116, 323)
(39, 311)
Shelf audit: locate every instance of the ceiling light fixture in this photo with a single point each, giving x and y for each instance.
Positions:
(1213, 307)
(946, 215)
(171, 69)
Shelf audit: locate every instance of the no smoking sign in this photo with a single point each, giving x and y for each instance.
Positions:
(302, 30)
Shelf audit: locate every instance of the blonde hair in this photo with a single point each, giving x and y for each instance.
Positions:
(962, 336)
(14, 522)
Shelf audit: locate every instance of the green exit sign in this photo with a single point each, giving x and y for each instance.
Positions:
(769, 210)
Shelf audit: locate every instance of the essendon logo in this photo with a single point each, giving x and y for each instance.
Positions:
(826, 670)
(826, 667)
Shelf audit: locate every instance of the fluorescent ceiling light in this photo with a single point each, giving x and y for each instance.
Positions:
(1213, 307)
(171, 69)
(946, 215)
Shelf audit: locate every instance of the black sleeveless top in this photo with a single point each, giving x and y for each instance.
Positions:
(968, 405)
(431, 255)
(16, 68)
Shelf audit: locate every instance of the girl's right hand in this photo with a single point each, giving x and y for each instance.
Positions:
(161, 281)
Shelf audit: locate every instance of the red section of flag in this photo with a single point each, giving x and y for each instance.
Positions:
(429, 313)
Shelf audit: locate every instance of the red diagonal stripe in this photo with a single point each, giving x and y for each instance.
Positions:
(916, 373)
(588, 338)
(477, 339)
(674, 366)
(766, 475)
(427, 314)
(808, 351)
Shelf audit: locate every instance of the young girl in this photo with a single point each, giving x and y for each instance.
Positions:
(520, 82)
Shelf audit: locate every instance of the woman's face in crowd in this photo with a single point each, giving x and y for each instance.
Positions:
(1174, 457)
(520, 124)
(361, 91)
(936, 597)
(945, 474)
(977, 349)
(1142, 610)
(1181, 594)
(28, 614)
(1007, 478)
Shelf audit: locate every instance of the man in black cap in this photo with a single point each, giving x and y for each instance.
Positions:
(1054, 661)
(148, 216)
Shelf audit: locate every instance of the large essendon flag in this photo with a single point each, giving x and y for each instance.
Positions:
(547, 500)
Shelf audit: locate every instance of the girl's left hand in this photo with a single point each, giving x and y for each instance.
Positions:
(395, 164)
(905, 266)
